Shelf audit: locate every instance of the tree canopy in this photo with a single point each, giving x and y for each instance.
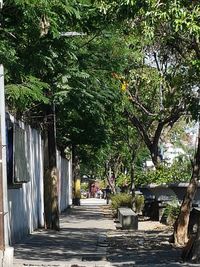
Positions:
(129, 65)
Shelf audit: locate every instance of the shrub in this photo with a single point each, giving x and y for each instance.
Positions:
(121, 200)
(176, 172)
(123, 179)
(84, 186)
(139, 203)
(170, 213)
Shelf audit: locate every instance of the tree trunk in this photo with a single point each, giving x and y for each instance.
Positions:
(155, 155)
(116, 167)
(181, 224)
(191, 252)
(133, 179)
(51, 209)
(132, 187)
(111, 179)
(76, 177)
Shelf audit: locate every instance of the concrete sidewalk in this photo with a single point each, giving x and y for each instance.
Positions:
(88, 238)
(80, 242)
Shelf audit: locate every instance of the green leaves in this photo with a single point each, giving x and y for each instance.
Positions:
(23, 96)
(76, 73)
(176, 173)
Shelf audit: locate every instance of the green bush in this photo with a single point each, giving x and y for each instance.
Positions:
(139, 203)
(176, 172)
(170, 213)
(121, 200)
(123, 179)
(85, 186)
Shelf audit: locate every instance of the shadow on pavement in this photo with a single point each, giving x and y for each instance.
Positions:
(150, 248)
(81, 228)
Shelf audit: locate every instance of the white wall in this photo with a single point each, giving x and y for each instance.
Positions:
(26, 204)
(6, 254)
(65, 183)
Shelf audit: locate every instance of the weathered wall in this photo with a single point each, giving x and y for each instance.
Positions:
(26, 204)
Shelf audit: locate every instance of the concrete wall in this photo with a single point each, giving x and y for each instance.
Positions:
(26, 203)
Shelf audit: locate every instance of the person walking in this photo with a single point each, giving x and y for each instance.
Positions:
(108, 193)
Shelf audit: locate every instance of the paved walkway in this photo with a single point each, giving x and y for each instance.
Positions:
(80, 242)
(88, 238)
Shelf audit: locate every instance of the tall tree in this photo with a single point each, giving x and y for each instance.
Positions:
(172, 27)
(37, 57)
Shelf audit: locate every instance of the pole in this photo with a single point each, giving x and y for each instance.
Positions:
(2, 239)
(2, 236)
(2, 147)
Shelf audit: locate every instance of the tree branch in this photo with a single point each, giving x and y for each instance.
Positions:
(86, 43)
(135, 101)
(174, 116)
(158, 133)
(156, 60)
(142, 131)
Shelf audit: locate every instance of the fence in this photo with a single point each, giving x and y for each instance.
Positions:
(65, 185)
(26, 199)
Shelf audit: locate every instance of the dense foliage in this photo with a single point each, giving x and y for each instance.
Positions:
(175, 173)
(129, 74)
(121, 200)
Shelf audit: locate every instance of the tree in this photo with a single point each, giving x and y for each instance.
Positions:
(183, 37)
(36, 58)
(181, 224)
(63, 74)
(176, 25)
(88, 100)
(172, 27)
(76, 79)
